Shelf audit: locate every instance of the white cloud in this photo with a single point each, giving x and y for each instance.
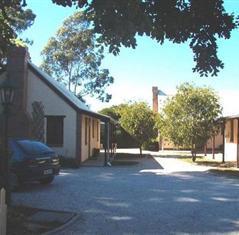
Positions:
(229, 102)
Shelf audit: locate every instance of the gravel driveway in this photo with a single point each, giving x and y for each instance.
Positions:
(156, 196)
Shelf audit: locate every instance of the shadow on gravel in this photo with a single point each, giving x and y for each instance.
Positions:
(142, 199)
(177, 156)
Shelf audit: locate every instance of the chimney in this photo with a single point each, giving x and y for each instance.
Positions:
(155, 98)
(17, 71)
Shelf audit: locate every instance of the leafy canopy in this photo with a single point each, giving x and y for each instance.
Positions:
(199, 22)
(123, 138)
(74, 58)
(188, 118)
(14, 19)
(139, 121)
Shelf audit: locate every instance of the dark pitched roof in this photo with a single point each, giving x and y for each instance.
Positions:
(231, 117)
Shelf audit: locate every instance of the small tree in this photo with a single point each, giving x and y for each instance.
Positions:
(74, 58)
(123, 138)
(188, 118)
(139, 121)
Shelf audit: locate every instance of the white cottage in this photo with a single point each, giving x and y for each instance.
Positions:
(46, 109)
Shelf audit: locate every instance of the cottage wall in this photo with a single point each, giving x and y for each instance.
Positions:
(54, 105)
(89, 141)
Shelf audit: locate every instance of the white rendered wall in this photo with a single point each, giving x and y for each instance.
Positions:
(54, 105)
(230, 152)
(231, 146)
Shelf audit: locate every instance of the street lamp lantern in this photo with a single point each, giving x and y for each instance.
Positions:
(7, 92)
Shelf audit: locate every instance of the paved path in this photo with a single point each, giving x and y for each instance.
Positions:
(156, 196)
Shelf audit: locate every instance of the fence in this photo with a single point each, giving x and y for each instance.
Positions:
(3, 212)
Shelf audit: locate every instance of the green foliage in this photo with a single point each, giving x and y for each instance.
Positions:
(111, 112)
(14, 19)
(114, 111)
(188, 118)
(123, 138)
(73, 57)
(139, 121)
(198, 22)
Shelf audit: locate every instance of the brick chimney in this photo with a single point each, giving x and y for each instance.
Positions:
(155, 98)
(17, 71)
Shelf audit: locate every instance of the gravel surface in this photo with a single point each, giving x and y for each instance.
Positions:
(156, 196)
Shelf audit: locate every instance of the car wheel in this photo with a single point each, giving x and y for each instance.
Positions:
(14, 182)
(47, 180)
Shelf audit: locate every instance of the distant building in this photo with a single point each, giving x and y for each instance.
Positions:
(215, 142)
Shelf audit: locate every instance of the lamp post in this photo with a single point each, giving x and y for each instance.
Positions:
(7, 92)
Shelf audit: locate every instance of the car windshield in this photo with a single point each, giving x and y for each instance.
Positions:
(34, 147)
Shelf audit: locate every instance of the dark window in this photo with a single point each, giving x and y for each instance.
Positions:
(86, 130)
(232, 131)
(54, 131)
(93, 128)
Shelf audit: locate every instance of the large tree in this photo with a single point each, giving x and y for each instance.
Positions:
(199, 22)
(118, 22)
(74, 58)
(188, 118)
(14, 19)
(139, 121)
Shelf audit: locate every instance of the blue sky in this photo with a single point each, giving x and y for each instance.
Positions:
(150, 64)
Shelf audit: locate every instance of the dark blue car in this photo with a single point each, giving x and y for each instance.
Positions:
(32, 161)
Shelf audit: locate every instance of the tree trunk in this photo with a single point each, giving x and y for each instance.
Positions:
(193, 152)
(140, 150)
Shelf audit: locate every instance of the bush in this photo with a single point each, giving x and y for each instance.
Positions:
(69, 162)
(151, 146)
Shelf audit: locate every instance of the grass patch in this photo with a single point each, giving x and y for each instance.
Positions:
(129, 156)
(127, 159)
(202, 161)
(16, 218)
(18, 222)
(189, 159)
(226, 172)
